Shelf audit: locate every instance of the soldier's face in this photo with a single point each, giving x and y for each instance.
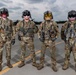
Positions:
(0, 16)
(4, 16)
(47, 18)
(26, 17)
(72, 19)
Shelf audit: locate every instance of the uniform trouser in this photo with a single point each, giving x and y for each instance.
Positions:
(30, 45)
(68, 50)
(1, 52)
(8, 51)
(52, 47)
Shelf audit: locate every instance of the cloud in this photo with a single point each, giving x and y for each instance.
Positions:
(15, 8)
(33, 1)
(2, 4)
(59, 8)
(9, 1)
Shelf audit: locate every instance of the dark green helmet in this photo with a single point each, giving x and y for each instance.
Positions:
(26, 13)
(71, 13)
(5, 11)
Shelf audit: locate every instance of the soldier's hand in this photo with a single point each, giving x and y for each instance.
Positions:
(56, 37)
(13, 41)
(53, 39)
(41, 39)
(19, 37)
(38, 36)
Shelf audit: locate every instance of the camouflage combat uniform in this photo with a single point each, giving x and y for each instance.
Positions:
(49, 42)
(7, 33)
(27, 40)
(70, 42)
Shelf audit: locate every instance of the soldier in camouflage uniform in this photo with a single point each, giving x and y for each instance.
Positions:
(0, 13)
(7, 38)
(48, 33)
(1, 44)
(68, 34)
(0, 17)
(27, 29)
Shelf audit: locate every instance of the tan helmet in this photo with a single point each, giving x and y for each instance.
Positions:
(48, 14)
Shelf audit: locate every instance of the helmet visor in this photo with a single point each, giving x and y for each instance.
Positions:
(48, 15)
(26, 14)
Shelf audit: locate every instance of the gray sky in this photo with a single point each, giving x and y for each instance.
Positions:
(59, 8)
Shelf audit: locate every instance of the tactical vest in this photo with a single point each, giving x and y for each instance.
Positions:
(6, 26)
(26, 26)
(70, 32)
(49, 30)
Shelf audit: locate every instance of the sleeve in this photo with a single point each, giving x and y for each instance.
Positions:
(64, 26)
(56, 28)
(35, 28)
(13, 29)
(40, 29)
(18, 26)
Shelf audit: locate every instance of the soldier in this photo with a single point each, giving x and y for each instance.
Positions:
(0, 13)
(48, 33)
(68, 34)
(27, 29)
(0, 17)
(1, 43)
(7, 36)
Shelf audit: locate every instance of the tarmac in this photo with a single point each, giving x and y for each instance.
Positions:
(28, 69)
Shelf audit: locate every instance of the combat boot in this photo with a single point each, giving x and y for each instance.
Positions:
(35, 64)
(21, 64)
(65, 66)
(9, 64)
(54, 68)
(34, 61)
(40, 67)
(0, 67)
(75, 67)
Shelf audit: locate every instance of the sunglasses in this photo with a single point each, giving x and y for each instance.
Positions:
(26, 14)
(72, 16)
